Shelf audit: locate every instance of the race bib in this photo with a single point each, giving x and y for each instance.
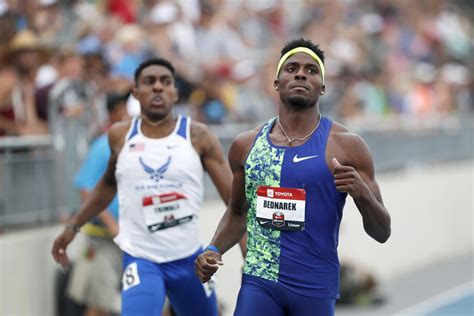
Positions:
(130, 277)
(166, 210)
(281, 208)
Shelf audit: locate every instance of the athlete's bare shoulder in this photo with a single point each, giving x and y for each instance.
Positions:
(117, 133)
(241, 145)
(198, 129)
(338, 128)
(245, 139)
(202, 138)
(343, 135)
(348, 147)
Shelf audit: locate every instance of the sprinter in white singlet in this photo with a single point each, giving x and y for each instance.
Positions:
(156, 167)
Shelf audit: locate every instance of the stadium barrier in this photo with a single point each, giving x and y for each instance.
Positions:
(36, 172)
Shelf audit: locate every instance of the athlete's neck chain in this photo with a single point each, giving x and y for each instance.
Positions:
(291, 140)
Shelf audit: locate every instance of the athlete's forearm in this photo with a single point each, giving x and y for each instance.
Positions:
(97, 201)
(243, 245)
(375, 217)
(109, 222)
(105, 216)
(230, 230)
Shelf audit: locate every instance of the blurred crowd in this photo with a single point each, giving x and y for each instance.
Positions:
(60, 60)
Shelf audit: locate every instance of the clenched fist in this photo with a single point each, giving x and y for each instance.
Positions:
(347, 179)
(207, 263)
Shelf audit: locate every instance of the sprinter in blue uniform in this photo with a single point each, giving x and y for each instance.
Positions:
(291, 179)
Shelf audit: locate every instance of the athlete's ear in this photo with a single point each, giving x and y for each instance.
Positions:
(323, 89)
(275, 84)
(134, 92)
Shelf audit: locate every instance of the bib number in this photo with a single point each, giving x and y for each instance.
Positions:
(166, 210)
(130, 277)
(281, 208)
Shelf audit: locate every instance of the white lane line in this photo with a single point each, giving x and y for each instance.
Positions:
(438, 300)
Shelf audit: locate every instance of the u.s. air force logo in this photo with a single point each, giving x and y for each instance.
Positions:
(155, 174)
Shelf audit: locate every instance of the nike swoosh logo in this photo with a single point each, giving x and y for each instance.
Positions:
(298, 159)
(263, 222)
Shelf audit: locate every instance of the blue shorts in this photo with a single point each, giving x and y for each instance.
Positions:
(258, 296)
(145, 285)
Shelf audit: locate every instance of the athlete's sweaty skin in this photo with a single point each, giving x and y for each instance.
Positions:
(156, 81)
(158, 252)
(299, 85)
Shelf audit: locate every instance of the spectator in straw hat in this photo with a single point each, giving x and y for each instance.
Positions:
(18, 112)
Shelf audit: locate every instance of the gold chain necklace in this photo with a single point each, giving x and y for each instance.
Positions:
(290, 140)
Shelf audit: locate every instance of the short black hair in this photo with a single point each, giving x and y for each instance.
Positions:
(301, 42)
(153, 61)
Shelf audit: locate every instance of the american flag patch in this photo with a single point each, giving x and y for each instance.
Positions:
(136, 147)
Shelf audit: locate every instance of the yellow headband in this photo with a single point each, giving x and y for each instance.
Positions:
(301, 50)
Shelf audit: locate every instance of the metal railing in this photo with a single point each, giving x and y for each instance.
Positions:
(36, 172)
(27, 184)
(394, 143)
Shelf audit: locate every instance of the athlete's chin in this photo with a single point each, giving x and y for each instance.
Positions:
(300, 101)
(155, 116)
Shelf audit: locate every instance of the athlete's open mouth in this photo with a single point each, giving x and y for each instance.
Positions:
(157, 101)
(299, 86)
